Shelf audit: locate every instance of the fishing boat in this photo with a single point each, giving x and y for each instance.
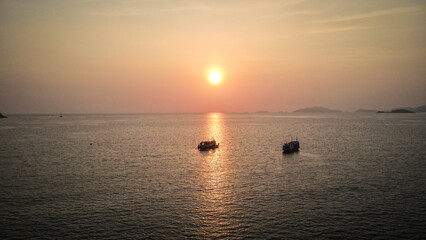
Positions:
(207, 145)
(291, 147)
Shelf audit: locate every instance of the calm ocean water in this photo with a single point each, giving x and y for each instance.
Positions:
(357, 176)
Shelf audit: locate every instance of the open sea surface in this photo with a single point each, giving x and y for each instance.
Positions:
(357, 176)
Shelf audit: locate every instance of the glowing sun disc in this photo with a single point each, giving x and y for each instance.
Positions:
(215, 77)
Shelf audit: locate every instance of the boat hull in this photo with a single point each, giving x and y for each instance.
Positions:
(204, 148)
(290, 151)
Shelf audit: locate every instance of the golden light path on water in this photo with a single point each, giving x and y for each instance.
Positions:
(217, 196)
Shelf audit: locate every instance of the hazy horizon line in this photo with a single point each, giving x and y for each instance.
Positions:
(189, 113)
(332, 110)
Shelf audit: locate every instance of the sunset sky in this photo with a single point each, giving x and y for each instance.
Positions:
(155, 56)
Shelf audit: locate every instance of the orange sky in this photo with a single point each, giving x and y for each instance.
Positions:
(93, 56)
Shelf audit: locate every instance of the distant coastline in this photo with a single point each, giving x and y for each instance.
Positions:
(316, 109)
(396, 111)
(405, 110)
(366, 110)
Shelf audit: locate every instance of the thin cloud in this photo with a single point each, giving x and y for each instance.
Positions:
(338, 29)
(132, 11)
(373, 14)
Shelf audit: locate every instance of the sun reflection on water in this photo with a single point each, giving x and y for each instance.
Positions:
(216, 197)
(215, 122)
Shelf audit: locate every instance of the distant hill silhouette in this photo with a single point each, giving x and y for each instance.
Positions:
(365, 110)
(316, 109)
(420, 109)
(397, 111)
(406, 110)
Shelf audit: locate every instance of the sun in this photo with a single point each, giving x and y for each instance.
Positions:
(215, 77)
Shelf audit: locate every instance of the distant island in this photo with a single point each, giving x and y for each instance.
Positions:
(406, 110)
(2, 116)
(420, 109)
(415, 109)
(397, 111)
(365, 110)
(316, 109)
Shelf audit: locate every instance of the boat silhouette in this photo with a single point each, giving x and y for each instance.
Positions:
(290, 147)
(207, 145)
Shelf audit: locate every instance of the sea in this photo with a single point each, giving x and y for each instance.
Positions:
(141, 176)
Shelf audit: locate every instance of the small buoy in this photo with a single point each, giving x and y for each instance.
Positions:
(90, 143)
